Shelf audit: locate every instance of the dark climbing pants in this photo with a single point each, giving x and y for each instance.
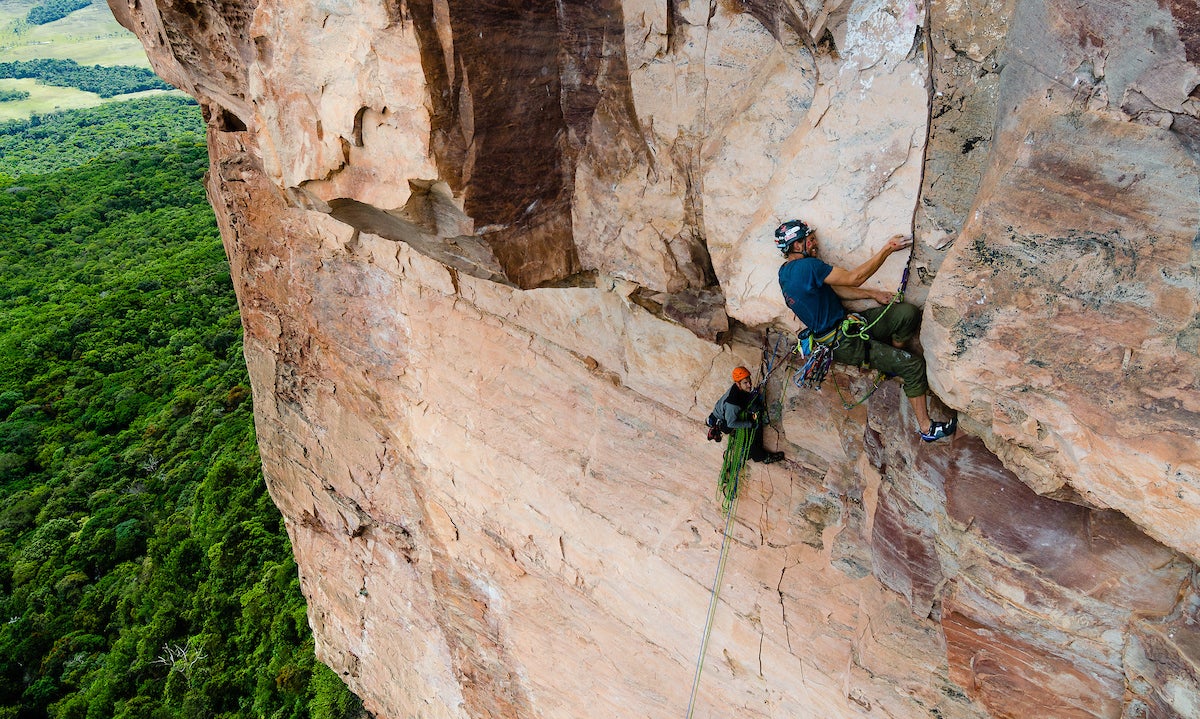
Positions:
(757, 451)
(898, 324)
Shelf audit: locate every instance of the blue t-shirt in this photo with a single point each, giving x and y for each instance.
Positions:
(806, 294)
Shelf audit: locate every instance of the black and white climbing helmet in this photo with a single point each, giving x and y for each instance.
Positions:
(789, 232)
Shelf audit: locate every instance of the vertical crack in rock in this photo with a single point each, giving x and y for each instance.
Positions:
(697, 263)
(673, 20)
(961, 46)
(787, 632)
(693, 259)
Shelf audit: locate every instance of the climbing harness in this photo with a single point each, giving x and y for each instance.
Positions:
(817, 351)
(736, 454)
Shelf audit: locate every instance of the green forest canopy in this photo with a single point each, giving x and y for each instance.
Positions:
(61, 140)
(104, 80)
(144, 571)
(53, 10)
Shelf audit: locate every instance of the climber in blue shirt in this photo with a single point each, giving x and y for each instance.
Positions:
(814, 291)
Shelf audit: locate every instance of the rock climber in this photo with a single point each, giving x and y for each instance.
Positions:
(741, 407)
(813, 290)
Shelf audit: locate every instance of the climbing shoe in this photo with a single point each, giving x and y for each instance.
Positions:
(772, 457)
(937, 430)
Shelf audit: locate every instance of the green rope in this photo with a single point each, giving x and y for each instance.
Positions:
(852, 320)
(736, 453)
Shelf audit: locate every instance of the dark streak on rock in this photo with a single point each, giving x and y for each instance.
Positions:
(775, 16)
(1186, 14)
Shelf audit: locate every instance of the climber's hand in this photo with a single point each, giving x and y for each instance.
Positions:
(898, 242)
(881, 296)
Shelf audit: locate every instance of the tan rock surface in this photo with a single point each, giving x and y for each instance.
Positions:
(480, 251)
(1065, 317)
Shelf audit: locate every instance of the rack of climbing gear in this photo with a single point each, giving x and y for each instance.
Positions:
(817, 353)
(737, 451)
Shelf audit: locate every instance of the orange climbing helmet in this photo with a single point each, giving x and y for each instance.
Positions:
(740, 373)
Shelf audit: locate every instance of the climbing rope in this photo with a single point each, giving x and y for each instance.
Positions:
(780, 354)
(775, 355)
(862, 334)
(771, 362)
(736, 453)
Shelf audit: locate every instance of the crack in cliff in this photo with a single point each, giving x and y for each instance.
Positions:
(929, 93)
(787, 632)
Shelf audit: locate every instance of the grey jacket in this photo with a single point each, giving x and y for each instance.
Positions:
(728, 408)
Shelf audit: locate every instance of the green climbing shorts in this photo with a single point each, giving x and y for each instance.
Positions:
(898, 324)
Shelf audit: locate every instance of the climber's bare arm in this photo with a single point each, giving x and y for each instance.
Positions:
(861, 293)
(839, 277)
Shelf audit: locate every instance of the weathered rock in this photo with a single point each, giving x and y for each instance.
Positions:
(1040, 602)
(1064, 319)
(485, 254)
(966, 41)
(1160, 661)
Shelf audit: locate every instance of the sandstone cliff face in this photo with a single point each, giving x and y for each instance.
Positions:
(496, 260)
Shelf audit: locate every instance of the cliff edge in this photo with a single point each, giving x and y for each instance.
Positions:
(496, 260)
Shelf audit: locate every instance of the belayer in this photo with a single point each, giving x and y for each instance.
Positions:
(874, 338)
(741, 407)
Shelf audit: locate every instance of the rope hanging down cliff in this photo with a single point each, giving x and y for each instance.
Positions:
(737, 451)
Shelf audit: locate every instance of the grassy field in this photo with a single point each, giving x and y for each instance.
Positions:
(89, 36)
(43, 99)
